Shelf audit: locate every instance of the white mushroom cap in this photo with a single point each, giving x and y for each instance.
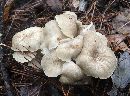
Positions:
(83, 29)
(28, 39)
(86, 28)
(66, 80)
(67, 24)
(44, 44)
(71, 13)
(69, 48)
(79, 26)
(71, 72)
(23, 57)
(54, 35)
(51, 64)
(44, 48)
(96, 59)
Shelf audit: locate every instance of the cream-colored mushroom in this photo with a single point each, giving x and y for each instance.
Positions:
(54, 35)
(83, 29)
(67, 24)
(69, 48)
(23, 57)
(86, 28)
(51, 64)
(62, 40)
(71, 73)
(96, 59)
(28, 39)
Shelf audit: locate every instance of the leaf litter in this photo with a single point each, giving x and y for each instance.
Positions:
(121, 76)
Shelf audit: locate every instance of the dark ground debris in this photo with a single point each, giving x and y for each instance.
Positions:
(21, 80)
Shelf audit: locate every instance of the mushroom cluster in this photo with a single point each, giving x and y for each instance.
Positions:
(70, 49)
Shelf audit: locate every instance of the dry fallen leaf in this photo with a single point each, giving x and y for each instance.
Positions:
(121, 76)
(117, 42)
(121, 22)
(7, 8)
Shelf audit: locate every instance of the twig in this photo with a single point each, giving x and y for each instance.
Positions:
(94, 6)
(123, 26)
(109, 5)
(90, 8)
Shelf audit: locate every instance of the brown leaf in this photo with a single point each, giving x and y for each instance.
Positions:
(117, 42)
(7, 8)
(121, 22)
(116, 38)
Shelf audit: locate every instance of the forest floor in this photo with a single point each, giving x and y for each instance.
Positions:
(18, 79)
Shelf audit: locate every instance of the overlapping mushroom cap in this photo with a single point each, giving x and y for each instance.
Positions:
(28, 39)
(51, 64)
(23, 57)
(69, 48)
(71, 73)
(67, 24)
(26, 43)
(53, 34)
(62, 42)
(96, 58)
